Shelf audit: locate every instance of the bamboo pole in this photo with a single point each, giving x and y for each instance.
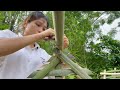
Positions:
(42, 73)
(58, 22)
(75, 67)
(61, 72)
(112, 71)
(114, 77)
(104, 73)
(33, 74)
(58, 67)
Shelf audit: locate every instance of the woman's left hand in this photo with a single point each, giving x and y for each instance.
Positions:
(66, 42)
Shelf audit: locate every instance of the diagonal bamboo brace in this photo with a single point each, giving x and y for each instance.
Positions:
(74, 66)
(42, 73)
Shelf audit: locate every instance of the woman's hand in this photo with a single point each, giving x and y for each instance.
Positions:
(50, 34)
(66, 42)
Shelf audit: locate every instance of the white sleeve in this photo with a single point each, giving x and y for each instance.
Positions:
(7, 34)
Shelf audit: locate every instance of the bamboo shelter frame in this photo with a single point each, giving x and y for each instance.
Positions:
(58, 22)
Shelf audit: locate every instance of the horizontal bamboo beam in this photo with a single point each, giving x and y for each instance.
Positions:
(42, 73)
(109, 73)
(74, 66)
(113, 71)
(113, 76)
(60, 72)
(58, 22)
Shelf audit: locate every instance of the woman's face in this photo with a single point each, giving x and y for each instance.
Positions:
(36, 26)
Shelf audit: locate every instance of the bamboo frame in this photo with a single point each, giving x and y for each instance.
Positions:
(58, 21)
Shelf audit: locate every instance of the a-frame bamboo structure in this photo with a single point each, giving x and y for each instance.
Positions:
(55, 60)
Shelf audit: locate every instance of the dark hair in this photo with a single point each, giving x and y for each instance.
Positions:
(34, 16)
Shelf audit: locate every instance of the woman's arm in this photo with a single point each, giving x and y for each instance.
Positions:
(11, 45)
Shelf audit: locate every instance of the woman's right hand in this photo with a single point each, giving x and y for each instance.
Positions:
(49, 33)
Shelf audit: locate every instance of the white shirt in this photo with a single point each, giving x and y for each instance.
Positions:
(22, 63)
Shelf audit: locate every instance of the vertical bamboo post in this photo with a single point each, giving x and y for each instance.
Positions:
(58, 22)
(115, 71)
(104, 76)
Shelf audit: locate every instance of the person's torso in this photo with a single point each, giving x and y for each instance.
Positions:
(21, 64)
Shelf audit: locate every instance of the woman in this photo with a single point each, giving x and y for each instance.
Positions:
(20, 55)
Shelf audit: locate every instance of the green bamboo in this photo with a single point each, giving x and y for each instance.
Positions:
(58, 22)
(88, 71)
(74, 66)
(61, 72)
(113, 71)
(33, 74)
(42, 73)
(58, 67)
